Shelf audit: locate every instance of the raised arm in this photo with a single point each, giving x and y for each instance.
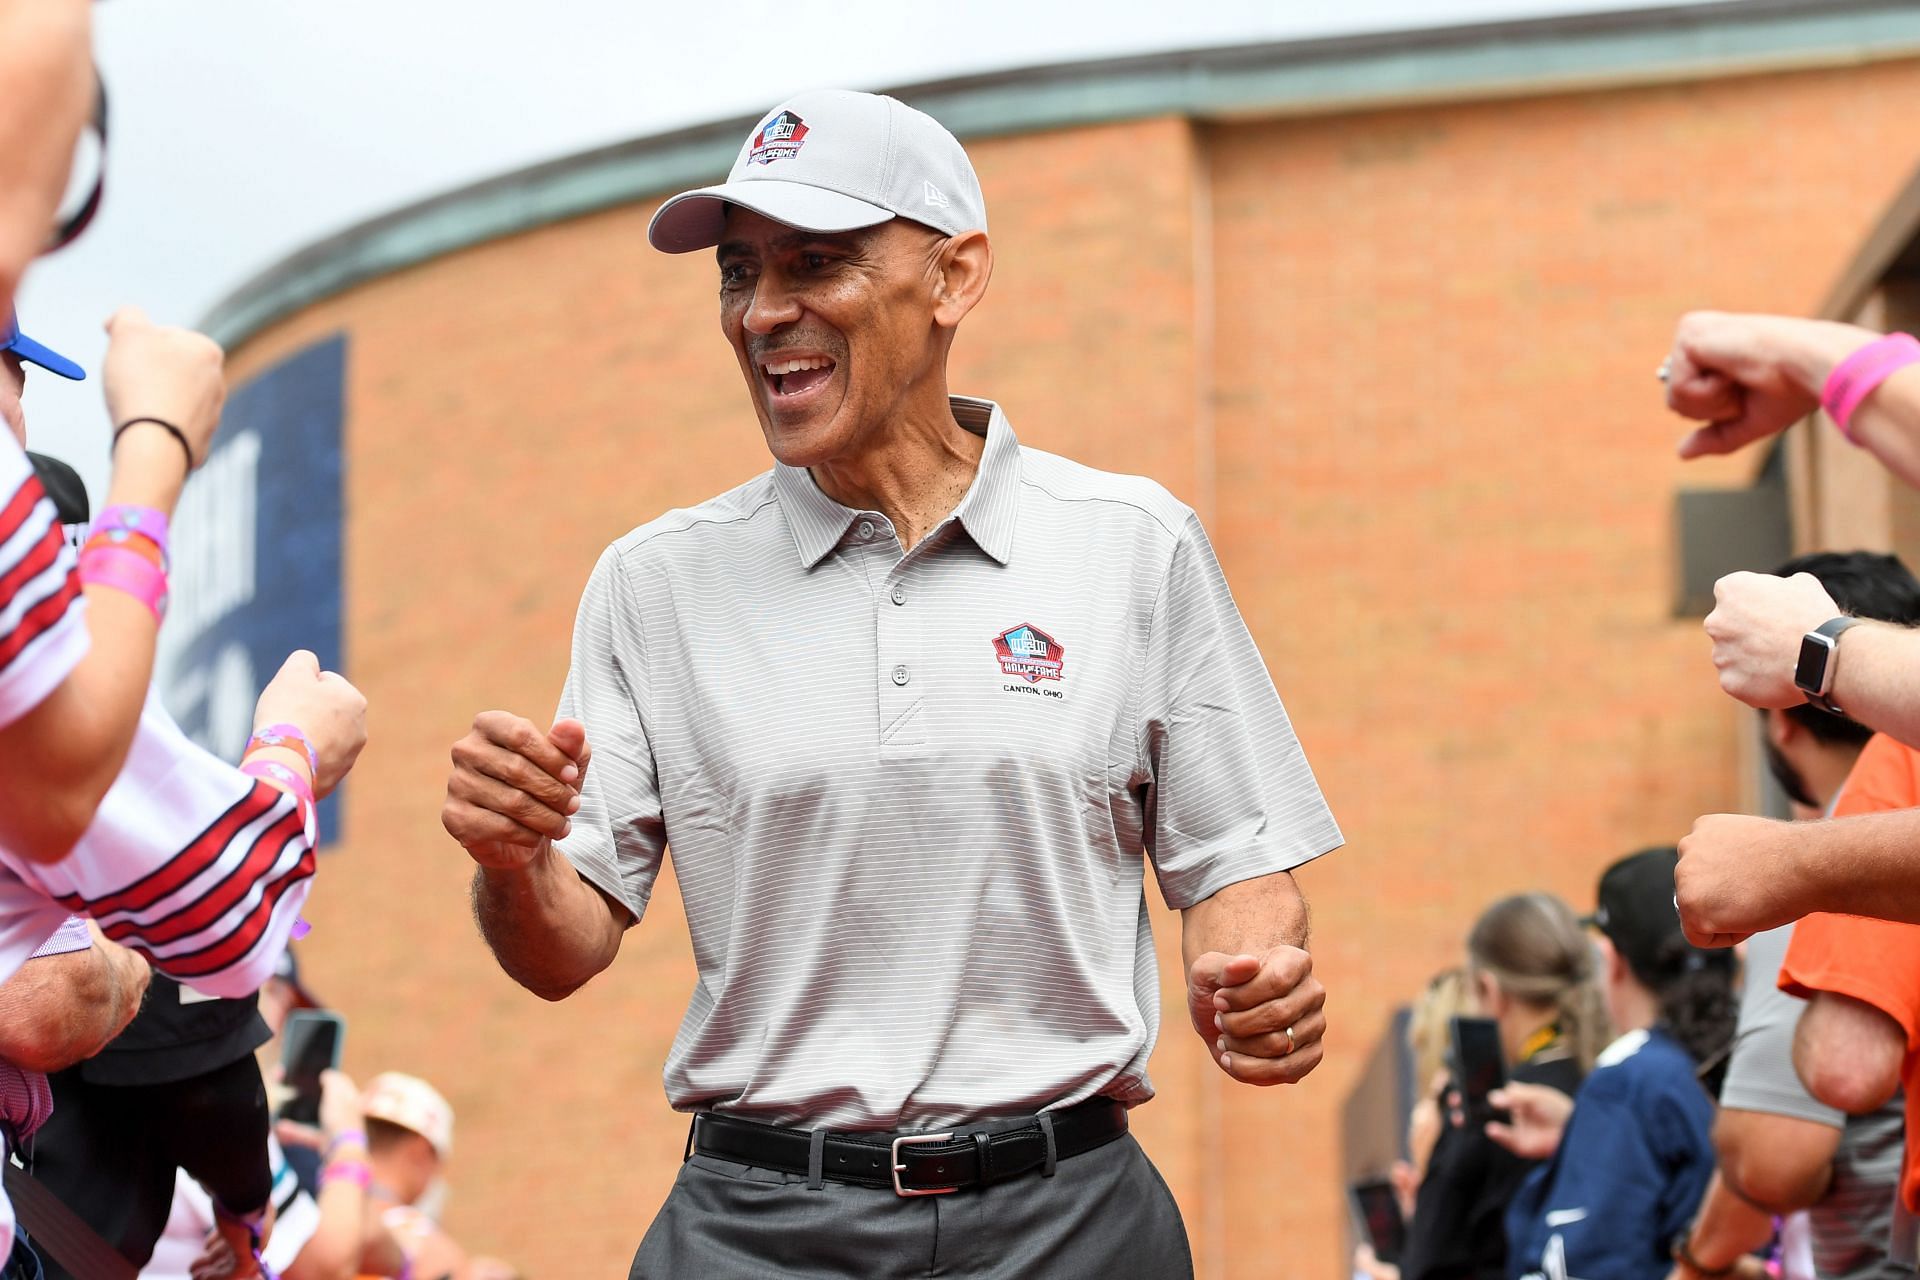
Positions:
(1757, 624)
(58, 758)
(1739, 875)
(512, 792)
(1749, 377)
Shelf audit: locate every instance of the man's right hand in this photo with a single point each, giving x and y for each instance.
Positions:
(163, 372)
(331, 712)
(1738, 876)
(513, 788)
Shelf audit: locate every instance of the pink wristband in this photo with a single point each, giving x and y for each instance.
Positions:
(118, 522)
(286, 735)
(354, 1171)
(1856, 377)
(124, 570)
(273, 769)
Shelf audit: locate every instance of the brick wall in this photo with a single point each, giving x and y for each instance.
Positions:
(1402, 363)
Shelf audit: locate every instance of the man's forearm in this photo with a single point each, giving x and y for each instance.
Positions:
(59, 1010)
(550, 930)
(1778, 1164)
(1246, 918)
(1874, 679)
(1726, 1228)
(1867, 866)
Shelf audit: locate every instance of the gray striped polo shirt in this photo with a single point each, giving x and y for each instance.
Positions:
(908, 795)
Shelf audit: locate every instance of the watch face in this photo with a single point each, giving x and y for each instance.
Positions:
(1810, 674)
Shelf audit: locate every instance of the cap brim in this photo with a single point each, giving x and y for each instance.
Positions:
(33, 353)
(695, 219)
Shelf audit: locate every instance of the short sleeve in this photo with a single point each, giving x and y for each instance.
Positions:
(1760, 1074)
(1874, 961)
(189, 861)
(1229, 793)
(619, 835)
(43, 632)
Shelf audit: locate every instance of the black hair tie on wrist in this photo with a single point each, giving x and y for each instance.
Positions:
(171, 430)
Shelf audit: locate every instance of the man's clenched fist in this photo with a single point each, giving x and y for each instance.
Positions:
(1739, 876)
(1756, 626)
(513, 787)
(1243, 1007)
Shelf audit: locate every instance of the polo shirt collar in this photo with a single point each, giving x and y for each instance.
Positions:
(987, 512)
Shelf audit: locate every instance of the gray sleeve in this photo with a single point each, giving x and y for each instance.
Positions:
(1229, 793)
(1760, 1075)
(620, 834)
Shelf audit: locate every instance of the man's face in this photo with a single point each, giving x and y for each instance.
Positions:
(13, 382)
(833, 331)
(1787, 774)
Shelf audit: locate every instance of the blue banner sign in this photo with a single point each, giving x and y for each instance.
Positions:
(257, 552)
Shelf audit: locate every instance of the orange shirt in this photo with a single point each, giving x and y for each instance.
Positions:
(1871, 960)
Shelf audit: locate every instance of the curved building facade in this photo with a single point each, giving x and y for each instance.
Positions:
(1385, 311)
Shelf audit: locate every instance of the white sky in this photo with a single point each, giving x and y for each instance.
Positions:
(243, 130)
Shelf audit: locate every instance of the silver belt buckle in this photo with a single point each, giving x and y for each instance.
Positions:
(898, 1168)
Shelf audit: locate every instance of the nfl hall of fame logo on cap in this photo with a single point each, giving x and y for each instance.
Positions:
(1030, 653)
(779, 138)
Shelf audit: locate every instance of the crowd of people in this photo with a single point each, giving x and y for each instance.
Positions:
(1671, 1106)
(1751, 1114)
(148, 890)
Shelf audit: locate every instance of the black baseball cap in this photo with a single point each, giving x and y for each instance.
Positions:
(1638, 914)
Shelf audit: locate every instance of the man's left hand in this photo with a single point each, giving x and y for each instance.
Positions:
(1756, 626)
(1243, 1006)
(1738, 876)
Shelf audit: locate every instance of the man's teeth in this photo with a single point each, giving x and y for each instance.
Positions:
(777, 368)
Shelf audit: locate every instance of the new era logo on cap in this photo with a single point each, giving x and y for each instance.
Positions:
(834, 161)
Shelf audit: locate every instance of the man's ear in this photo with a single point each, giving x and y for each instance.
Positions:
(966, 264)
(1782, 729)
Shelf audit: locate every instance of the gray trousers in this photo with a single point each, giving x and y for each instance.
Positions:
(1104, 1215)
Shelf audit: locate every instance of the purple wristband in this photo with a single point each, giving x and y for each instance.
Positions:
(121, 519)
(1856, 377)
(286, 735)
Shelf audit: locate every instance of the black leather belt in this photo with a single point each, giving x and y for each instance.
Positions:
(913, 1164)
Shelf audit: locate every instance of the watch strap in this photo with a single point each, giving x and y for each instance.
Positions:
(1817, 691)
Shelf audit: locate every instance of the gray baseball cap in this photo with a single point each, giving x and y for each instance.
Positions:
(833, 160)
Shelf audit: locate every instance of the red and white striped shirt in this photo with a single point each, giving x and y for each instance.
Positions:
(42, 635)
(189, 861)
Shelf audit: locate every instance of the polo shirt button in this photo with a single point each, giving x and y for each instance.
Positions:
(899, 595)
(900, 675)
(866, 528)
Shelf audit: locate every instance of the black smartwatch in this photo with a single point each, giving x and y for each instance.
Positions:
(1814, 672)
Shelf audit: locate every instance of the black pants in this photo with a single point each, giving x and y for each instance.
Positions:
(1103, 1215)
(110, 1151)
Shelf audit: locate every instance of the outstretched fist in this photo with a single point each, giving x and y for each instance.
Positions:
(514, 788)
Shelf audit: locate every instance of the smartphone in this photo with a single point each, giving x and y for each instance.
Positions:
(310, 1044)
(1376, 1213)
(1479, 1067)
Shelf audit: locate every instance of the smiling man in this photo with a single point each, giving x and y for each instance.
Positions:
(909, 708)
